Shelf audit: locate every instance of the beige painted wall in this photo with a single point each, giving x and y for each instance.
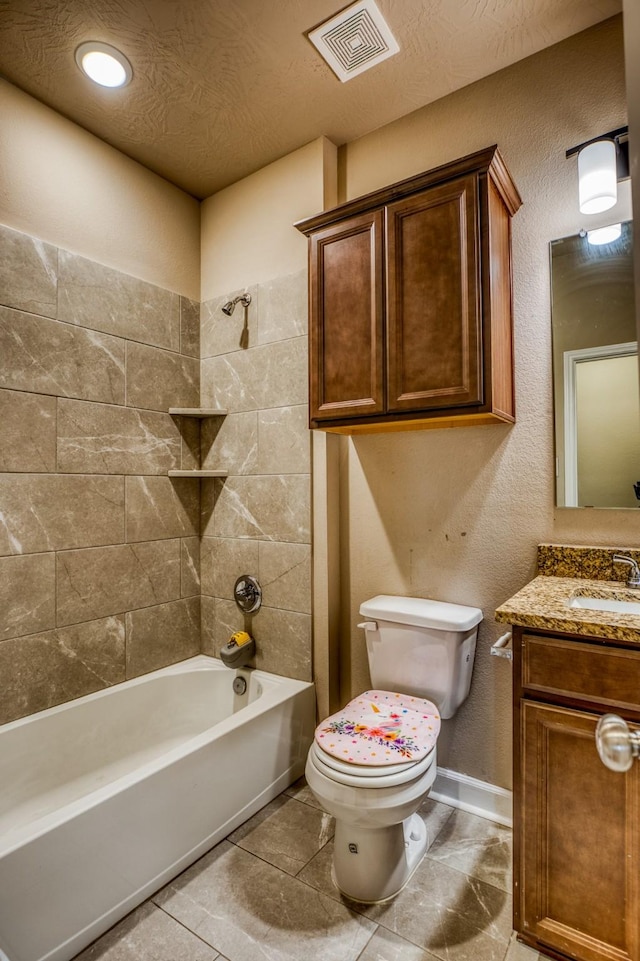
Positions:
(248, 235)
(63, 185)
(456, 514)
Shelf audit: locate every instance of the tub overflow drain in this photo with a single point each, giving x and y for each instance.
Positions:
(239, 685)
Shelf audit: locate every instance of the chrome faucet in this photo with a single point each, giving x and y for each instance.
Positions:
(634, 573)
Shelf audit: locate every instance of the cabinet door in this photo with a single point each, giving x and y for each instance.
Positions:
(580, 840)
(346, 329)
(433, 299)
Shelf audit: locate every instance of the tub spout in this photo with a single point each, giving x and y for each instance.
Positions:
(240, 649)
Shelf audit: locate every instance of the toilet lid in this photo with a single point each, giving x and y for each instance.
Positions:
(380, 728)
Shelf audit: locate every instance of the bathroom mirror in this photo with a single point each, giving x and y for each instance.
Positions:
(595, 372)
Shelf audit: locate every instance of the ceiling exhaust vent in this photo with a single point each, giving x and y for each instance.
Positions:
(354, 40)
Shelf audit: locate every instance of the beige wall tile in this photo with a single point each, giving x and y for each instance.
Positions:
(231, 443)
(27, 431)
(273, 375)
(283, 642)
(52, 512)
(283, 308)
(220, 618)
(284, 441)
(99, 439)
(275, 507)
(189, 327)
(160, 379)
(47, 357)
(210, 490)
(27, 594)
(41, 670)
(157, 636)
(99, 297)
(28, 273)
(285, 575)
(189, 566)
(208, 625)
(223, 335)
(223, 561)
(159, 507)
(99, 581)
(189, 429)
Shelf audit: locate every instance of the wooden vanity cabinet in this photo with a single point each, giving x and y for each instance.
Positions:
(576, 823)
(410, 302)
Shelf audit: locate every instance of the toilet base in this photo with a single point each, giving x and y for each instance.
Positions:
(371, 865)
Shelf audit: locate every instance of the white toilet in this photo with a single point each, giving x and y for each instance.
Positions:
(373, 763)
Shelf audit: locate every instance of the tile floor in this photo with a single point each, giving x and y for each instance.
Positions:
(265, 894)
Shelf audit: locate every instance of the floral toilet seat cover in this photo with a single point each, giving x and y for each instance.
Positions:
(380, 727)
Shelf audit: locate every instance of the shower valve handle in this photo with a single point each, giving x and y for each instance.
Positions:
(248, 594)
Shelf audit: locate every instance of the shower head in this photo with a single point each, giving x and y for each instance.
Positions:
(230, 306)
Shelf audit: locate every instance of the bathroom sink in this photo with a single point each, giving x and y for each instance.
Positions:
(615, 605)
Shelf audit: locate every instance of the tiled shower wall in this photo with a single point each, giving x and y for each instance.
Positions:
(99, 548)
(257, 521)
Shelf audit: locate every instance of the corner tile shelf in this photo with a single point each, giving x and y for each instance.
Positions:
(197, 473)
(198, 413)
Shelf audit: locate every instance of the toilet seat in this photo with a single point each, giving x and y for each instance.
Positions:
(368, 776)
(380, 729)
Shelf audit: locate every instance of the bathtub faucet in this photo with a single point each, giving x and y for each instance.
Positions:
(239, 650)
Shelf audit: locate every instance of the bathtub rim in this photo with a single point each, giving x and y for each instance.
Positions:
(276, 689)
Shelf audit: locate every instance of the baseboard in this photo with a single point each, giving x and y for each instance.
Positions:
(477, 797)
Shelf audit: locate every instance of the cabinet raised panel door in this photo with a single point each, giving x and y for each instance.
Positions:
(346, 353)
(433, 299)
(580, 840)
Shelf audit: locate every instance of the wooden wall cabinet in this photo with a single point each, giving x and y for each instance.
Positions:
(576, 823)
(410, 302)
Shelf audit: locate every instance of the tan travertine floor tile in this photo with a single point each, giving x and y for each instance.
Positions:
(286, 833)
(455, 917)
(302, 792)
(386, 946)
(317, 873)
(521, 952)
(435, 815)
(477, 847)
(148, 934)
(447, 913)
(251, 911)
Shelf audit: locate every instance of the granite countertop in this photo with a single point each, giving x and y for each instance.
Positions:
(544, 603)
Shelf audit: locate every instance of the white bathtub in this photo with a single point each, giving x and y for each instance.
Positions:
(105, 799)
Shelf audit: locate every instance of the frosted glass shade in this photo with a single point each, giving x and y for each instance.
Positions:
(604, 235)
(597, 179)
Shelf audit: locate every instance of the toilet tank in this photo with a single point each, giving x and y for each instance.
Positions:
(421, 647)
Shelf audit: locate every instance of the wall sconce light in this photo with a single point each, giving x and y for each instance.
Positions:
(602, 162)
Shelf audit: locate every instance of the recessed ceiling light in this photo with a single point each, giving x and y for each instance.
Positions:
(103, 64)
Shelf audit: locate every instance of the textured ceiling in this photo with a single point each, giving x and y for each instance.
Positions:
(223, 87)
